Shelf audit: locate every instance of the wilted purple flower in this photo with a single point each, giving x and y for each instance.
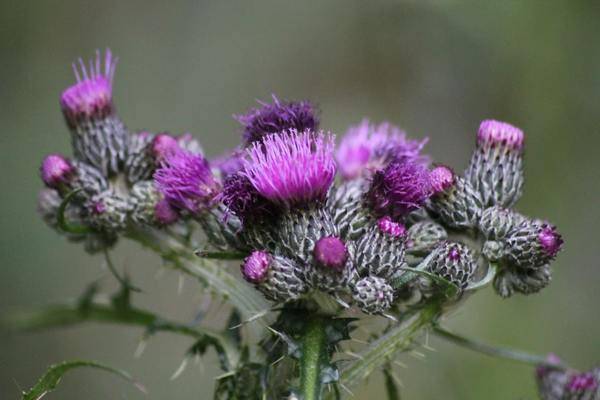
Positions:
(331, 252)
(186, 181)
(402, 187)
(292, 168)
(56, 170)
(92, 94)
(242, 199)
(369, 147)
(278, 117)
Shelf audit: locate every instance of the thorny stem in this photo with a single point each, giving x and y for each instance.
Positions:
(314, 355)
(506, 353)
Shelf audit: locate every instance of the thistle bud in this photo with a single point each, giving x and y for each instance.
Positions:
(278, 278)
(164, 146)
(108, 211)
(423, 236)
(380, 252)
(89, 179)
(454, 262)
(532, 243)
(454, 201)
(496, 222)
(56, 171)
(331, 269)
(373, 295)
(551, 381)
(277, 117)
(496, 167)
(584, 386)
(99, 137)
(525, 281)
(139, 165)
(350, 212)
(148, 206)
(222, 229)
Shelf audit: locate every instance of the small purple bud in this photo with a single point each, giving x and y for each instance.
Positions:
(278, 117)
(394, 229)
(497, 133)
(163, 146)
(98, 208)
(331, 252)
(402, 187)
(292, 168)
(582, 382)
(256, 266)
(441, 178)
(56, 170)
(91, 96)
(454, 254)
(164, 213)
(550, 240)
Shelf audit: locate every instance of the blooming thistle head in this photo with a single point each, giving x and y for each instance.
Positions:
(277, 117)
(91, 96)
(56, 170)
(163, 146)
(242, 199)
(256, 266)
(186, 182)
(331, 252)
(369, 147)
(494, 133)
(441, 178)
(402, 187)
(292, 168)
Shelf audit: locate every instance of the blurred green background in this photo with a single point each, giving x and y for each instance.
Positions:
(434, 67)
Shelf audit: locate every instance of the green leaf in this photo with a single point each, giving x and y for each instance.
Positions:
(61, 219)
(54, 374)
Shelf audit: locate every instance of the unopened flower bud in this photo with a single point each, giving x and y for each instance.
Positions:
(223, 229)
(278, 278)
(108, 211)
(525, 281)
(551, 381)
(496, 167)
(373, 295)
(454, 201)
(56, 171)
(163, 146)
(99, 137)
(532, 243)
(331, 252)
(454, 262)
(496, 222)
(88, 179)
(380, 252)
(423, 236)
(148, 206)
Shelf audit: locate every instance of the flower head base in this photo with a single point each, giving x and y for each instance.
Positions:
(442, 178)
(186, 182)
(256, 266)
(331, 252)
(91, 96)
(56, 170)
(278, 117)
(292, 168)
(402, 187)
(367, 147)
(500, 134)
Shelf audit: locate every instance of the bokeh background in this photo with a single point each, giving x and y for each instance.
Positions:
(434, 67)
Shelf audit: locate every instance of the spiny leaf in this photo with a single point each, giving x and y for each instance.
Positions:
(54, 374)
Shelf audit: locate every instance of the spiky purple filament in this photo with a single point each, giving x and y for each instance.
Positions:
(498, 133)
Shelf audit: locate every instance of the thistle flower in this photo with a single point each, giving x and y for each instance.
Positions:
(148, 206)
(367, 147)
(496, 222)
(277, 117)
(496, 167)
(56, 171)
(380, 252)
(278, 278)
(423, 236)
(402, 187)
(186, 182)
(108, 211)
(164, 146)
(532, 243)
(556, 383)
(331, 252)
(373, 295)
(347, 204)
(510, 280)
(454, 201)
(243, 200)
(292, 168)
(98, 135)
(139, 164)
(454, 262)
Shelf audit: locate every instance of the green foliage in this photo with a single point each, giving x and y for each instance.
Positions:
(50, 380)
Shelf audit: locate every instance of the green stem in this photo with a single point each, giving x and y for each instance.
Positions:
(506, 353)
(314, 355)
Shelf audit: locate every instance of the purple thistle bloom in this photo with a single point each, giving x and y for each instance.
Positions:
(242, 199)
(292, 168)
(497, 133)
(331, 252)
(370, 147)
(402, 187)
(56, 170)
(550, 240)
(163, 146)
(91, 96)
(277, 117)
(441, 178)
(229, 163)
(186, 182)
(256, 266)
